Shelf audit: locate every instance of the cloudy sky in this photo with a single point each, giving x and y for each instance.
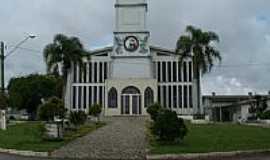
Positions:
(243, 27)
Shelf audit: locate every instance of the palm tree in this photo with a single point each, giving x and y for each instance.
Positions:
(197, 45)
(60, 55)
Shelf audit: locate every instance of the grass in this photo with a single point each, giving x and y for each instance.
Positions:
(28, 136)
(217, 138)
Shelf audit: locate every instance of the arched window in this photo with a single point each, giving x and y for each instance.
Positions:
(112, 98)
(131, 90)
(148, 97)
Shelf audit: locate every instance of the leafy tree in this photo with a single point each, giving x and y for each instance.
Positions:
(3, 101)
(197, 45)
(168, 127)
(54, 107)
(27, 92)
(60, 55)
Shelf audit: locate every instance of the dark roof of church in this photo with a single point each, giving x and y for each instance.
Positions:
(152, 48)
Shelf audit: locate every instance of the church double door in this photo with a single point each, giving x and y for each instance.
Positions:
(131, 104)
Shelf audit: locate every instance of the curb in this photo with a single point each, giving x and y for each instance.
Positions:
(193, 156)
(25, 153)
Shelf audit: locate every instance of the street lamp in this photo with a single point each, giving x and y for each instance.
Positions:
(3, 57)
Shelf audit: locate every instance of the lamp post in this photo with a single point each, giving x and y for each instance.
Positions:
(3, 57)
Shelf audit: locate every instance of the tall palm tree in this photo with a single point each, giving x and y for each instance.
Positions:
(60, 55)
(197, 45)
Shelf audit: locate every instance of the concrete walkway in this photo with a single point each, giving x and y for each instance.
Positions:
(121, 138)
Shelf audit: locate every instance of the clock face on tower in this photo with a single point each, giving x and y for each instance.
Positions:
(131, 43)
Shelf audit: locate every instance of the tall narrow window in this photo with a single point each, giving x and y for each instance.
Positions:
(159, 94)
(95, 72)
(105, 70)
(101, 95)
(174, 72)
(112, 98)
(180, 96)
(185, 71)
(79, 74)
(148, 97)
(90, 72)
(190, 71)
(185, 96)
(158, 72)
(165, 96)
(74, 72)
(164, 72)
(174, 96)
(169, 72)
(100, 73)
(84, 72)
(180, 71)
(74, 97)
(90, 96)
(80, 97)
(95, 95)
(190, 97)
(84, 97)
(170, 97)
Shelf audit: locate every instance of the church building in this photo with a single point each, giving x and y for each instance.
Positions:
(132, 74)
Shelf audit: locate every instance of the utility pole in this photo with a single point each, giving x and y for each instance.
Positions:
(3, 57)
(2, 65)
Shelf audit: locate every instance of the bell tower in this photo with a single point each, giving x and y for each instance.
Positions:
(131, 51)
(131, 35)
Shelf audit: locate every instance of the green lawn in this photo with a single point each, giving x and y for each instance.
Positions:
(28, 136)
(217, 138)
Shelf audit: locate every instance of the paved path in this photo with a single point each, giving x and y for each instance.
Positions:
(122, 138)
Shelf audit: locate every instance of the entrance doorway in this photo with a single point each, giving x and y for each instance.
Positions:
(131, 101)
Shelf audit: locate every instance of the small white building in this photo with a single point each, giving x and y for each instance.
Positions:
(231, 108)
(132, 74)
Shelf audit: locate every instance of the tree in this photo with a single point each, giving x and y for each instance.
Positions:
(27, 92)
(60, 55)
(3, 101)
(197, 45)
(54, 107)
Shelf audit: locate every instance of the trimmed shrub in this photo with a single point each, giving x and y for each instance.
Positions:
(54, 107)
(153, 111)
(168, 127)
(77, 118)
(95, 110)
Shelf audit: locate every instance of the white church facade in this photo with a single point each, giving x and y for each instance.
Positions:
(131, 75)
